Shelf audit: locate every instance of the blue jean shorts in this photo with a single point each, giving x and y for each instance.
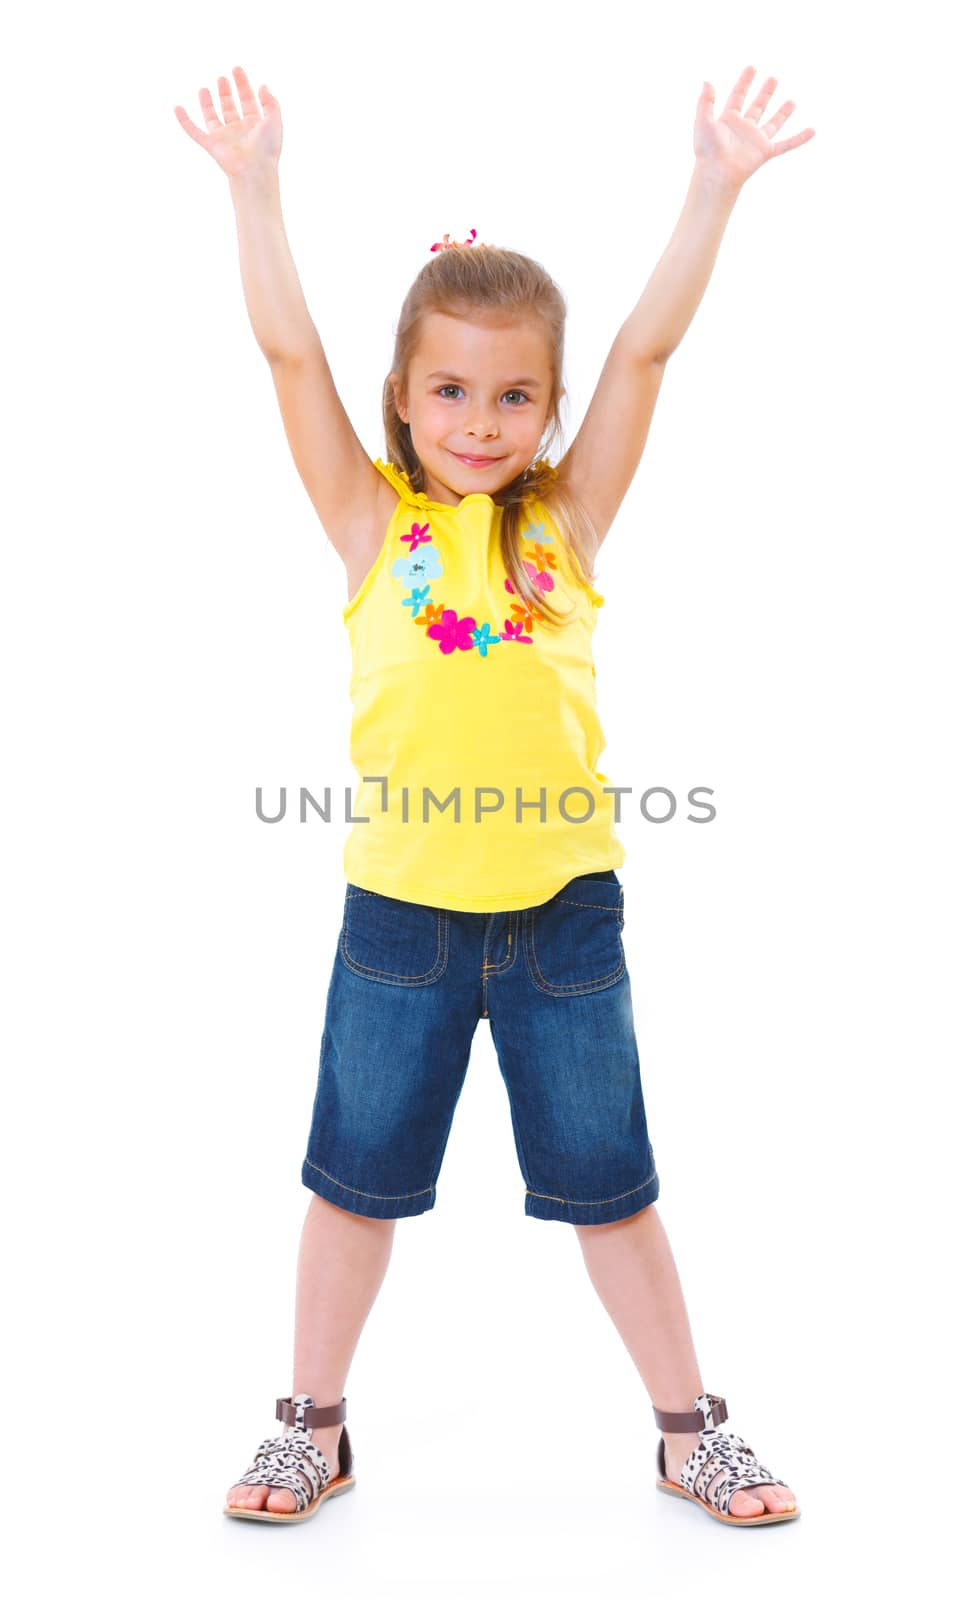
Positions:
(408, 987)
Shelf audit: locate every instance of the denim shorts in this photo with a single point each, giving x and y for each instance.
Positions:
(408, 987)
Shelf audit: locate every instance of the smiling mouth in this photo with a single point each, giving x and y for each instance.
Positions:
(476, 461)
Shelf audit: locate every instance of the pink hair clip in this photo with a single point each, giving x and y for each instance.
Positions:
(454, 244)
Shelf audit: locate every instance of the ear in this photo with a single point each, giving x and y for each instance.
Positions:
(399, 403)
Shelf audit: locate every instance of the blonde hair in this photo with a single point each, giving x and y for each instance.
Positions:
(490, 280)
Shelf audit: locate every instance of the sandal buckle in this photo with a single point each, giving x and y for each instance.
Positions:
(713, 1408)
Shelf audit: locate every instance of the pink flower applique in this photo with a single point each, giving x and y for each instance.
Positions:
(513, 630)
(542, 580)
(419, 535)
(453, 632)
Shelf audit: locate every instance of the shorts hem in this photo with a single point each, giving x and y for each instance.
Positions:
(362, 1203)
(551, 1208)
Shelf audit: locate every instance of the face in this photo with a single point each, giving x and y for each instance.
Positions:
(476, 388)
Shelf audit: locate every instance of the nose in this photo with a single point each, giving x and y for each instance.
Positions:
(481, 426)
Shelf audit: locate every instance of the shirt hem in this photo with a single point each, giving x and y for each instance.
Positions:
(489, 903)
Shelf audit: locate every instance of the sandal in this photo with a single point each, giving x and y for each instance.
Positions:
(719, 1465)
(291, 1461)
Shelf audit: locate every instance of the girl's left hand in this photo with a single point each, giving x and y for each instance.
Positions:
(731, 147)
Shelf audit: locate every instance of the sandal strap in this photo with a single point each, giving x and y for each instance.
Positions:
(720, 1465)
(280, 1463)
(290, 1460)
(708, 1410)
(299, 1411)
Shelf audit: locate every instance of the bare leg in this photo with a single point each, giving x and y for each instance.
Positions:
(633, 1271)
(341, 1266)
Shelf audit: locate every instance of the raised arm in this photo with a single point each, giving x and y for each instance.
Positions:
(606, 451)
(343, 484)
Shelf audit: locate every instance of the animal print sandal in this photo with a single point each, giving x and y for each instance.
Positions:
(291, 1461)
(718, 1466)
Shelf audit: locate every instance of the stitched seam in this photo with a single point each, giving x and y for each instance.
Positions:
(431, 976)
(517, 1122)
(508, 959)
(563, 1202)
(586, 986)
(559, 989)
(367, 1192)
(591, 905)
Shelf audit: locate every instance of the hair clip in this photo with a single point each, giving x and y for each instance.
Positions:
(454, 244)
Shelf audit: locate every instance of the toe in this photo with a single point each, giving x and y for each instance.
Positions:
(746, 1503)
(777, 1497)
(281, 1500)
(761, 1498)
(249, 1496)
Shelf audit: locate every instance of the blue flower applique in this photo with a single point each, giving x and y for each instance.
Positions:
(482, 637)
(417, 599)
(413, 569)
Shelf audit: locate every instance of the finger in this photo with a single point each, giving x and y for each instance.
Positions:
(211, 119)
(761, 101)
(779, 117)
(190, 127)
(734, 102)
(790, 144)
(704, 106)
(228, 108)
(245, 94)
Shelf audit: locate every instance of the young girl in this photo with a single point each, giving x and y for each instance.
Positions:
(481, 881)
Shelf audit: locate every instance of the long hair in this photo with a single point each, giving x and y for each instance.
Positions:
(487, 279)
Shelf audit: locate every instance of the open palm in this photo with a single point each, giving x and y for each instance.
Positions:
(241, 143)
(733, 145)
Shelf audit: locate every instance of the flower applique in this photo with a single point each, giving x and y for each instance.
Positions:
(483, 637)
(542, 578)
(417, 599)
(538, 532)
(419, 535)
(432, 614)
(523, 614)
(414, 569)
(441, 623)
(453, 632)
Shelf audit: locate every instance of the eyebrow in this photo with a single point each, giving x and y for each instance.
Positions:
(453, 377)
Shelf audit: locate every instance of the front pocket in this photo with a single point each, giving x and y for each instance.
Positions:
(393, 941)
(573, 943)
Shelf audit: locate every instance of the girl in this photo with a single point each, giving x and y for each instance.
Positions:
(481, 882)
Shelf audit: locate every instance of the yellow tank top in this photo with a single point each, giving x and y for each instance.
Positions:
(460, 695)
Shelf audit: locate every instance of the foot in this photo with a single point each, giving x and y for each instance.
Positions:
(753, 1502)
(261, 1496)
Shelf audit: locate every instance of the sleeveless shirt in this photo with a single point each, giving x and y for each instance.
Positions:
(474, 731)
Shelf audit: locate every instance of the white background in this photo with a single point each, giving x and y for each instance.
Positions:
(781, 622)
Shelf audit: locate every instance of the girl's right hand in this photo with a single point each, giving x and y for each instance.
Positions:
(243, 146)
